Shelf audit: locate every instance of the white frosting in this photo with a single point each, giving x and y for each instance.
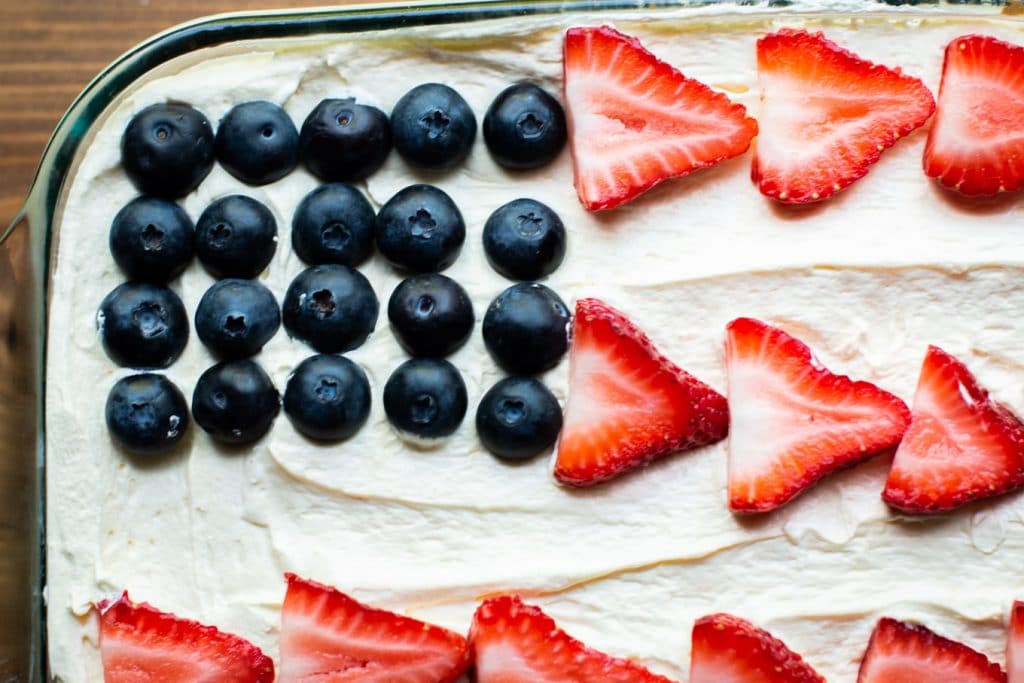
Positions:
(868, 279)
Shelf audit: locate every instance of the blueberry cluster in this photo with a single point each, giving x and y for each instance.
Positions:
(168, 149)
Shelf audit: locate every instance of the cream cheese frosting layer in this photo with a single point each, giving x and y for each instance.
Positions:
(868, 279)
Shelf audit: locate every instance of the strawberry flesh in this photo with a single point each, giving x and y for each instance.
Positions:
(628, 404)
(899, 652)
(976, 145)
(1015, 644)
(635, 121)
(328, 636)
(727, 649)
(517, 643)
(826, 115)
(140, 644)
(793, 421)
(960, 446)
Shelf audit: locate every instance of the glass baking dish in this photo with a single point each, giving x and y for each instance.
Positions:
(25, 248)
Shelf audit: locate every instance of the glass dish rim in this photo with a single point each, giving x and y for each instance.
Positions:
(57, 160)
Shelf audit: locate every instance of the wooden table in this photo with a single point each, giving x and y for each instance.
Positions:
(49, 51)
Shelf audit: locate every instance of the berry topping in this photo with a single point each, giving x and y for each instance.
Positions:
(167, 149)
(236, 237)
(330, 307)
(826, 115)
(431, 314)
(627, 404)
(327, 397)
(425, 398)
(151, 239)
(328, 636)
(142, 325)
(524, 127)
(792, 421)
(344, 141)
(138, 643)
(977, 141)
(333, 224)
(524, 240)
(235, 402)
(899, 652)
(518, 418)
(1015, 644)
(961, 445)
(526, 328)
(635, 121)
(420, 229)
(727, 649)
(235, 318)
(516, 643)
(433, 126)
(146, 414)
(257, 142)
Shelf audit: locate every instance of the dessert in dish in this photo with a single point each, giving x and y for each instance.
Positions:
(631, 537)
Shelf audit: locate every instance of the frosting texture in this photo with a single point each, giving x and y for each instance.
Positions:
(868, 279)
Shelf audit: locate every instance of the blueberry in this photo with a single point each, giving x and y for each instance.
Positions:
(524, 127)
(331, 307)
(420, 229)
(524, 240)
(345, 141)
(235, 318)
(257, 142)
(146, 414)
(167, 149)
(328, 397)
(526, 328)
(235, 402)
(236, 237)
(433, 126)
(431, 314)
(142, 325)
(151, 239)
(518, 418)
(333, 224)
(425, 398)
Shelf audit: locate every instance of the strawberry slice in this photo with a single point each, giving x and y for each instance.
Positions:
(826, 115)
(899, 652)
(793, 421)
(635, 121)
(727, 649)
(976, 145)
(328, 636)
(960, 446)
(628, 404)
(140, 644)
(1015, 644)
(517, 643)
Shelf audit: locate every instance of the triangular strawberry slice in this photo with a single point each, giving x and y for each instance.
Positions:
(328, 636)
(899, 652)
(960, 446)
(628, 404)
(826, 115)
(141, 644)
(727, 649)
(1015, 644)
(793, 421)
(976, 145)
(635, 121)
(517, 643)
